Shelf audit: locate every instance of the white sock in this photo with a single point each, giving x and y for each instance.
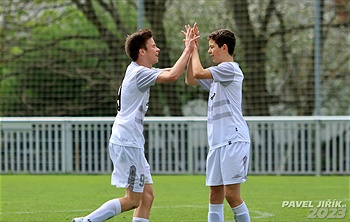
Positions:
(241, 213)
(137, 219)
(216, 213)
(106, 211)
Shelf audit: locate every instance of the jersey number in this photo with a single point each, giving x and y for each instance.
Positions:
(119, 98)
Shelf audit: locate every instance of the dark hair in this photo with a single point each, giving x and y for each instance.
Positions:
(224, 36)
(136, 41)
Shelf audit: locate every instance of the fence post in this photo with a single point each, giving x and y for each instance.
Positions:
(67, 149)
(318, 147)
(190, 147)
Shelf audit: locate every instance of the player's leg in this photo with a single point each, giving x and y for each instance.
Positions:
(113, 207)
(125, 174)
(214, 181)
(241, 213)
(236, 157)
(142, 213)
(107, 210)
(216, 204)
(238, 206)
(116, 206)
(233, 195)
(131, 200)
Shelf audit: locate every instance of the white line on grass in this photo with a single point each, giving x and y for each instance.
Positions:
(259, 213)
(42, 212)
(181, 206)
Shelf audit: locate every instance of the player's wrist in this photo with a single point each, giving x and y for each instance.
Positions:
(187, 50)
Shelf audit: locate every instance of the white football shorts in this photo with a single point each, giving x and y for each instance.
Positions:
(131, 168)
(228, 164)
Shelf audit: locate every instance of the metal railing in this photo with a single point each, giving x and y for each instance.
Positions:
(174, 145)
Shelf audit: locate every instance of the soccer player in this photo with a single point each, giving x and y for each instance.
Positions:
(228, 133)
(126, 145)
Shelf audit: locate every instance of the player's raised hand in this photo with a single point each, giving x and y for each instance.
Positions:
(196, 33)
(191, 38)
(195, 29)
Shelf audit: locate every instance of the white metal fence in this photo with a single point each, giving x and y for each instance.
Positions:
(174, 145)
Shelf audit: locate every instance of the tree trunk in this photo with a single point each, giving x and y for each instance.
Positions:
(163, 95)
(256, 97)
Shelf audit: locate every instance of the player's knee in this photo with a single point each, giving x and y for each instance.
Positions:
(132, 203)
(216, 194)
(135, 204)
(150, 196)
(234, 201)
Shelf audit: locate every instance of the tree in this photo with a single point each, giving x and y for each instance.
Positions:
(280, 23)
(103, 27)
(164, 93)
(66, 57)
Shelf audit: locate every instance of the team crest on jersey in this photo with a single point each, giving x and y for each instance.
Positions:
(212, 97)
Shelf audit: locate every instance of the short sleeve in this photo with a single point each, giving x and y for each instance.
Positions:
(224, 72)
(146, 77)
(205, 83)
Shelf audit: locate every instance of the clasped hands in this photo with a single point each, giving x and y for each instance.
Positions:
(191, 36)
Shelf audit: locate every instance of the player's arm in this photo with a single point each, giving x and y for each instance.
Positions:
(198, 71)
(194, 67)
(190, 80)
(171, 75)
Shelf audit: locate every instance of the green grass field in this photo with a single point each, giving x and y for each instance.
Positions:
(177, 198)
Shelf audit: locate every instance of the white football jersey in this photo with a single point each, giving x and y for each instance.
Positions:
(133, 99)
(226, 123)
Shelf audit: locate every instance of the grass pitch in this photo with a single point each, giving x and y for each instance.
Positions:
(178, 198)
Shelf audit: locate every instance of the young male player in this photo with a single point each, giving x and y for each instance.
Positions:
(228, 133)
(126, 147)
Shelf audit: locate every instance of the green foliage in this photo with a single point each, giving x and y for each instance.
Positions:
(7, 92)
(57, 64)
(57, 41)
